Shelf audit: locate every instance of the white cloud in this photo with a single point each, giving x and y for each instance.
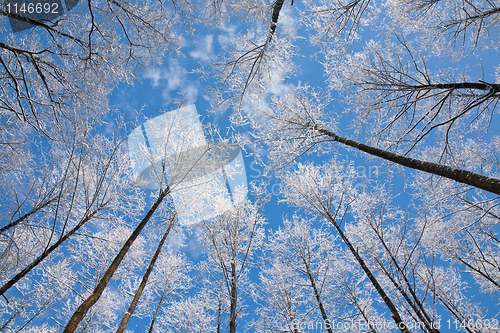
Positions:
(204, 49)
(226, 39)
(191, 92)
(155, 75)
(174, 81)
(277, 84)
(288, 20)
(175, 76)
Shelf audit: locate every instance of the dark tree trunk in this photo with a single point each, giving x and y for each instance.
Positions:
(494, 88)
(394, 311)
(219, 309)
(318, 298)
(416, 304)
(276, 14)
(234, 299)
(459, 175)
(137, 296)
(99, 289)
(158, 307)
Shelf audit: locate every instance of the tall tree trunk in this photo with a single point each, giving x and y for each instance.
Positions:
(416, 304)
(137, 296)
(462, 176)
(99, 289)
(394, 311)
(234, 299)
(363, 313)
(492, 88)
(276, 14)
(158, 306)
(219, 308)
(318, 298)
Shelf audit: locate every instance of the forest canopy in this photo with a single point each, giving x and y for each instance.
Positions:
(304, 93)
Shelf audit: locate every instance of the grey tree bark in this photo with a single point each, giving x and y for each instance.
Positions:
(144, 281)
(99, 289)
(459, 175)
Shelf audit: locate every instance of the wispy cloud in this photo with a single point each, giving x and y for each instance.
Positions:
(288, 20)
(204, 49)
(174, 79)
(175, 75)
(191, 92)
(155, 75)
(226, 39)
